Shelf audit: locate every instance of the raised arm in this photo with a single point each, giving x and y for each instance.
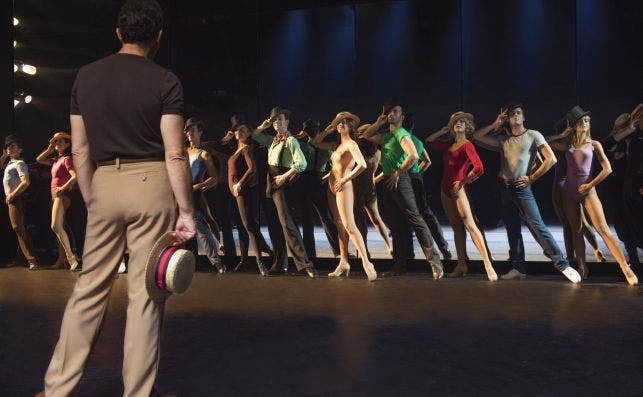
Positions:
(606, 169)
(558, 141)
(259, 136)
(434, 136)
(371, 132)
(634, 121)
(360, 166)
(43, 158)
(482, 137)
(178, 170)
(318, 140)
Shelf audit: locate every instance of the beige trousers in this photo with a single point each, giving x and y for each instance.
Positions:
(131, 206)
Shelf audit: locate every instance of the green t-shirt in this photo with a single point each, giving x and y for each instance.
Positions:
(419, 146)
(316, 158)
(392, 153)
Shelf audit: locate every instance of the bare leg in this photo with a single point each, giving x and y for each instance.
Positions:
(345, 199)
(590, 236)
(341, 234)
(573, 213)
(464, 210)
(376, 219)
(57, 225)
(459, 235)
(594, 209)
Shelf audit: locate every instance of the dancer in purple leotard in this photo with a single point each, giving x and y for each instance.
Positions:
(578, 190)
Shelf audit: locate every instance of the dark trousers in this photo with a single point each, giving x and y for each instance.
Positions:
(290, 235)
(17, 217)
(248, 204)
(224, 213)
(312, 194)
(403, 214)
(427, 214)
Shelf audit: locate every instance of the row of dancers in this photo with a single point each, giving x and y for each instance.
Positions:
(337, 178)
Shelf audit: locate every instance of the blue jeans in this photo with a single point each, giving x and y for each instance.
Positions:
(517, 204)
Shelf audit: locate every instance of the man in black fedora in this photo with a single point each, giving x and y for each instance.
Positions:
(518, 145)
(285, 161)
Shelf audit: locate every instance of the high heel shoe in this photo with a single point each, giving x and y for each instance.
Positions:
(629, 275)
(583, 271)
(491, 272)
(262, 269)
(459, 271)
(74, 265)
(369, 269)
(340, 269)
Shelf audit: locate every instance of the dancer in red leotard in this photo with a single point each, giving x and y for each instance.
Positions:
(461, 167)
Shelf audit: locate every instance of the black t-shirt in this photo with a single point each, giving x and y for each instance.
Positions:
(121, 99)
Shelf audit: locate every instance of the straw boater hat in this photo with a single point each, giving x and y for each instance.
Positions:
(60, 134)
(276, 111)
(621, 121)
(458, 116)
(345, 115)
(169, 269)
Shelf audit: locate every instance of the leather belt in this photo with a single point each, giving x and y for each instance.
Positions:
(118, 161)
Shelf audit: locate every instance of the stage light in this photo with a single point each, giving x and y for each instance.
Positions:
(15, 43)
(15, 68)
(28, 99)
(15, 21)
(16, 103)
(29, 69)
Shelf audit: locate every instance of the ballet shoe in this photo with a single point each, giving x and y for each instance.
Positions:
(629, 275)
(262, 269)
(491, 272)
(369, 269)
(340, 269)
(459, 271)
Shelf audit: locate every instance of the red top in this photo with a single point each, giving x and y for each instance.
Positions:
(457, 162)
(60, 171)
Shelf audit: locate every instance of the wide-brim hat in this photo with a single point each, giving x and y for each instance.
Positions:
(276, 111)
(169, 269)
(345, 115)
(362, 128)
(621, 121)
(459, 116)
(576, 114)
(60, 135)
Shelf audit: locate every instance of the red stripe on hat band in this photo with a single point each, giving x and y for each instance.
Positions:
(161, 266)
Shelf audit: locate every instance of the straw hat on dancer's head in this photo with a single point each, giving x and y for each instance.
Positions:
(467, 117)
(169, 269)
(345, 115)
(60, 135)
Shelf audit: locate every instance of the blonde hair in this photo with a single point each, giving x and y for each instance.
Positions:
(574, 140)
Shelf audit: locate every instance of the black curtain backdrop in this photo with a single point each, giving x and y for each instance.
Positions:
(438, 57)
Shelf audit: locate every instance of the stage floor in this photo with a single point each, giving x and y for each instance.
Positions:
(244, 335)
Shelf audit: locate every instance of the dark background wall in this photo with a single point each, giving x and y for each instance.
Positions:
(321, 57)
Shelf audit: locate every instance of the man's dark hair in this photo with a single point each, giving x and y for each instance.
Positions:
(11, 139)
(140, 21)
(409, 121)
(391, 103)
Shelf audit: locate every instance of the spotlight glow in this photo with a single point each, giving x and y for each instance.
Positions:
(15, 43)
(29, 69)
(15, 21)
(28, 99)
(15, 68)
(15, 102)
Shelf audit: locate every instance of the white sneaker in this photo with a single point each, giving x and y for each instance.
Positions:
(122, 268)
(571, 274)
